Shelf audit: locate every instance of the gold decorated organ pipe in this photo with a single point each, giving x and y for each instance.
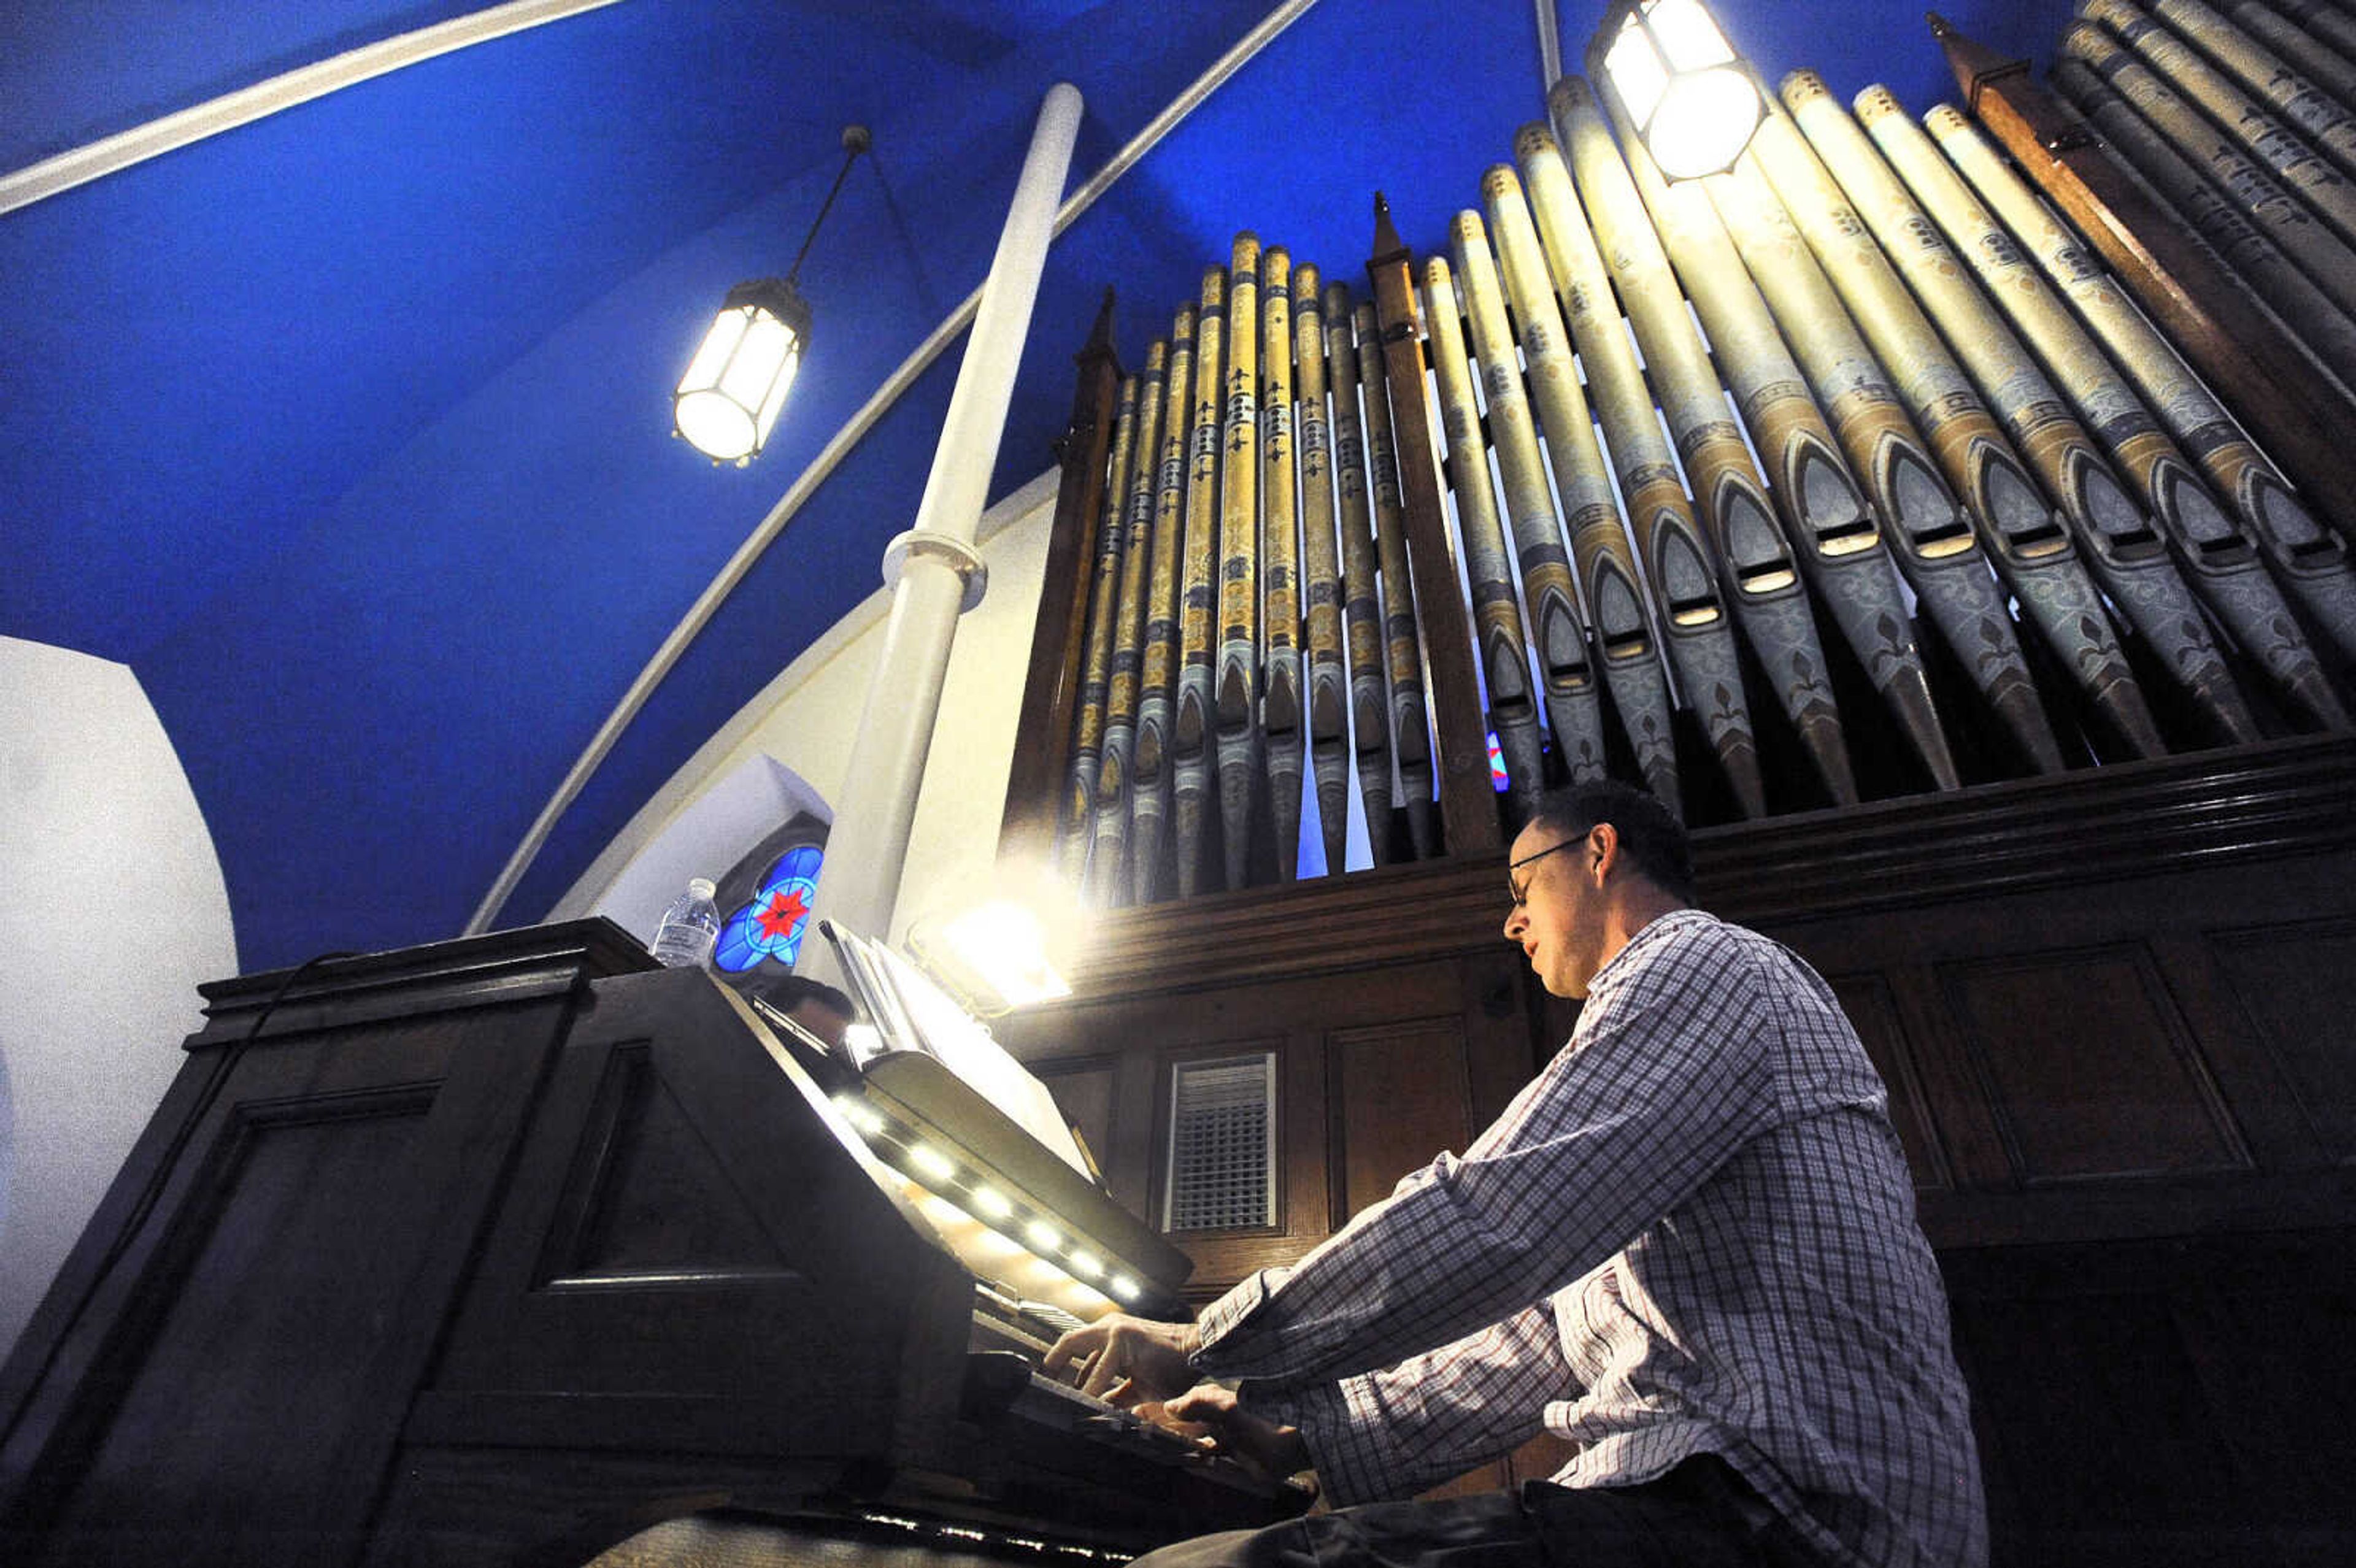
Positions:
(2127, 558)
(2288, 156)
(1402, 637)
(1285, 737)
(2030, 550)
(1107, 882)
(1497, 634)
(2312, 563)
(2307, 107)
(1191, 733)
(1629, 651)
(1158, 669)
(1758, 569)
(2218, 559)
(1096, 665)
(1574, 704)
(1235, 689)
(1835, 536)
(1925, 525)
(1361, 601)
(1697, 630)
(2335, 27)
(2315, 248)
(1325, 678)
(2323, 329)
(2310, 56)
(1468, 799)
(2207, 294)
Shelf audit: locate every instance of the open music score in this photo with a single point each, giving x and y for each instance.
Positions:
(980, 1152)
(984, 1155)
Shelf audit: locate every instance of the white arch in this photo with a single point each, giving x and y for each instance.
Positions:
(112, 910)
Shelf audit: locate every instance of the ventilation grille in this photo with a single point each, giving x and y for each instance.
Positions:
(1222, 1172)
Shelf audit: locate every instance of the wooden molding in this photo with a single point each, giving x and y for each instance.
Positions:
(1034, 787)
(1468, 806)
(2098, 823)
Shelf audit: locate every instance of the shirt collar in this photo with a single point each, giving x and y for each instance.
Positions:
(1647, 934)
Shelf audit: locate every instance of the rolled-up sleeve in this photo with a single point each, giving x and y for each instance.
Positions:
(1393, 1433)
(1664, 1080)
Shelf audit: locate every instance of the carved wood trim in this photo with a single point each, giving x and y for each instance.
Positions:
(1035, 788)
(2279, 797)
(372, 988)
(2207, 309)
(1468, 802)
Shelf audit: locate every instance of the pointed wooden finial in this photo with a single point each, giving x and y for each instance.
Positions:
(1388, 244)
(1975, 64)
(1099, 344)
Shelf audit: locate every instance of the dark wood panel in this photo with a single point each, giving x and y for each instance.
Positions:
(2270, 1334)
(2136, 1407)
(2097, 1424)
(766, 1274)
(1866, 999)
(652, 1200)
(291, 1256)
(1400, 1094)
(2089, 1068)
(1083, 1092)
(283, 1291)
(2296, 984)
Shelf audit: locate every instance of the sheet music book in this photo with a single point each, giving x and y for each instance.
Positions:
(912, 1013)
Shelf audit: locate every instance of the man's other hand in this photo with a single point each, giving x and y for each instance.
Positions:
(1125, 1360)
(1275, 1452)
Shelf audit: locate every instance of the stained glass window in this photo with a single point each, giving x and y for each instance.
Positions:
(770, 923)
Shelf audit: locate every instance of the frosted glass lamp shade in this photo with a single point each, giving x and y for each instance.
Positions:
(729, 398)
(1688, 96)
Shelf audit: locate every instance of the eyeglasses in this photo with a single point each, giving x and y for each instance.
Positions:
(1520, 890)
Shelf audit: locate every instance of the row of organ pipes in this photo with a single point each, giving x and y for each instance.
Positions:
(1690, 432)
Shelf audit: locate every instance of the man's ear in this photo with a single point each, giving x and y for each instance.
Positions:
(1604, 841)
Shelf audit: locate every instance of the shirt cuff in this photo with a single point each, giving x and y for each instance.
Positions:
(1222, 1316)
(1345, 1438)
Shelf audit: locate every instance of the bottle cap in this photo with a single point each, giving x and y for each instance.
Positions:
(701, 887)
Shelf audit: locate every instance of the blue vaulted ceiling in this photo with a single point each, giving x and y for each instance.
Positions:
(348, 430)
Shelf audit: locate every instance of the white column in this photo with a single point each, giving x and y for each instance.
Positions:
(932, 569)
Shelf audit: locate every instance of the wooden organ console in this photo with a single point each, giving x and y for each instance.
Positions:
(2071, 831)
(2026, 725)
(507, 1249)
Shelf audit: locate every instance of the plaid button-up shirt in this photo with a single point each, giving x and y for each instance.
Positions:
(1693, 1232)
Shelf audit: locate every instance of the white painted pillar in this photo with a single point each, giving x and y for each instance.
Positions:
(932, 569)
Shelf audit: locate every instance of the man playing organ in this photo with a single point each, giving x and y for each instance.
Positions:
(1689, 1247)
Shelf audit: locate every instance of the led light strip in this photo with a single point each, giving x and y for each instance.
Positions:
(1035, 1235)
(962, 1532)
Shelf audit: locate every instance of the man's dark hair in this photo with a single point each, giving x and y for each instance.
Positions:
(1650, 834)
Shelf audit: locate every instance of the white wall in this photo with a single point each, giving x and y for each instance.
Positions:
(111, 911)
(805, 719)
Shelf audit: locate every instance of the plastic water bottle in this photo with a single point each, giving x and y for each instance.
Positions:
(689, 928)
